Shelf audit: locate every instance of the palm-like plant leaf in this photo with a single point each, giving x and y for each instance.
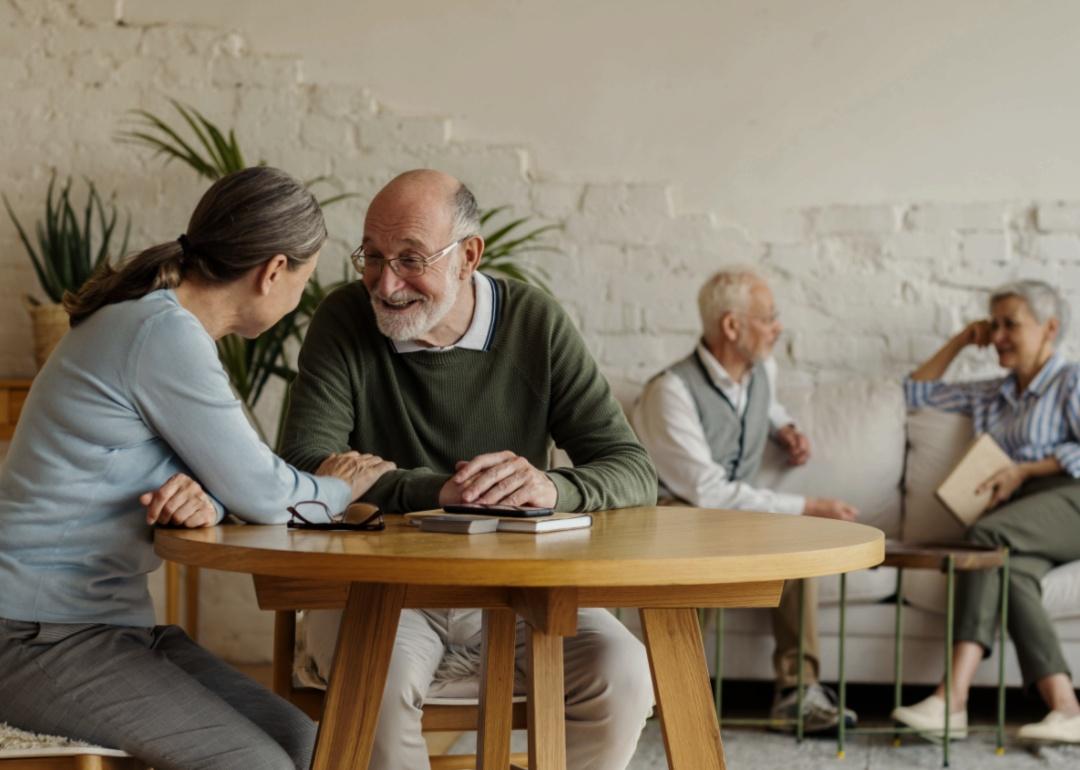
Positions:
(212, 156)
(505, 246)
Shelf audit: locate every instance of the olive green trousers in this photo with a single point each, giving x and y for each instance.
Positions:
(1041, 529)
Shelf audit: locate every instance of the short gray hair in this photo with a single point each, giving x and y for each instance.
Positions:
(1042, 299)
(727, 291)
(466, 213)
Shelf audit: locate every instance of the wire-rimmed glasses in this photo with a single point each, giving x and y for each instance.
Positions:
(315, 514)
(409, 265)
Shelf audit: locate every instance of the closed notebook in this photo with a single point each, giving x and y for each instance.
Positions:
(957, 492)
(461, 524)
(556, 522)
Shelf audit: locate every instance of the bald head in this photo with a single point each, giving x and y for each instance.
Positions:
(437, 197)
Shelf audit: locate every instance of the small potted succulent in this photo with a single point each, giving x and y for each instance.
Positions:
(69, 247)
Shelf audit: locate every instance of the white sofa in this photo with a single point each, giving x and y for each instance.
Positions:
(868, 451)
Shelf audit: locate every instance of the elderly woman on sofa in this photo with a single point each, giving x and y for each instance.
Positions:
(1034, 414)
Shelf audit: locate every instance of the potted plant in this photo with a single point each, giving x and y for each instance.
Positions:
(65, 255)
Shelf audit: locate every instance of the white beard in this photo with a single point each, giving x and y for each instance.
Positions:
(420, 318)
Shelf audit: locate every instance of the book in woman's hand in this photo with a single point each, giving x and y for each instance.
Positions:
(957, 492)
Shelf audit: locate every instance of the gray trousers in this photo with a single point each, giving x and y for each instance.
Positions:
(1041, 528)
(608, 683)
(151, 692)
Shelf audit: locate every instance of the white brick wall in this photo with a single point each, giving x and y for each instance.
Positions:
(867, 290)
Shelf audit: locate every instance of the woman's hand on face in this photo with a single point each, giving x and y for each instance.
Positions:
(1003, 484)
(977, 333)
(358, 470)
(181, 502)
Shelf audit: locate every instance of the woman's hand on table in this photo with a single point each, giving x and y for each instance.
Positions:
(360, 471)
(180, 502)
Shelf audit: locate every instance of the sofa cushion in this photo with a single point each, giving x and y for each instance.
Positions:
(864, 586)
(856, 430)
(936, 442)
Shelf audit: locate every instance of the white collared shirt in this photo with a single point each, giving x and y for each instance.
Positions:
(481, 329)
(666, 420)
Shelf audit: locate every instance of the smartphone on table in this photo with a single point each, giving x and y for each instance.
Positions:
(517, 511)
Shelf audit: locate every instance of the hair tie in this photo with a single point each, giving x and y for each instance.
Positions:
(185, 245)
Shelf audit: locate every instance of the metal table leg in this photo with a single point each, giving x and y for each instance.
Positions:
(949, 609)
(1003, 621)
(801, 684)
(898, 647)
(842, 726)
(718, 665)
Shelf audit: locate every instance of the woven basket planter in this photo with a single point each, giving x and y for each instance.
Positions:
(50, 323)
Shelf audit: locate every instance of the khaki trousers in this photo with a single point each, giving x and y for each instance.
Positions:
(785, 623)
(608, 683)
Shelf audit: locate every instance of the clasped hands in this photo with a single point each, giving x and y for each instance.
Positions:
(499, 478)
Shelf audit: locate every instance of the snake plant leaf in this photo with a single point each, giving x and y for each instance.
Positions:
(64, 256)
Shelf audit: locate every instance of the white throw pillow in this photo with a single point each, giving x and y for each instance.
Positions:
(856, 430)
(936, 442)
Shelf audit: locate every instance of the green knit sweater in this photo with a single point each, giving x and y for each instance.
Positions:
(425, 411)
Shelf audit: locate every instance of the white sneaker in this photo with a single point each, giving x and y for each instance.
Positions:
(928, 716)
(1056, 726)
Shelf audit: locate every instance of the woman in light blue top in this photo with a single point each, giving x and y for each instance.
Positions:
(134, 399)
(1034, 414)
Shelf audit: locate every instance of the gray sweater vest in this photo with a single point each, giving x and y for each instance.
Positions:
(737, 444)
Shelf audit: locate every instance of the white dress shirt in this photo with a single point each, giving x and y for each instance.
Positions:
(666, 420)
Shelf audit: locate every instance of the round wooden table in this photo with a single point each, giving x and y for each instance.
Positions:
(667, 562)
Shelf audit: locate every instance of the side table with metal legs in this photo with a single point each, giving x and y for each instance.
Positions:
(947, 558)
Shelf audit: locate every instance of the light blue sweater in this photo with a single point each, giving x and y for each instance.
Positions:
(131, 396)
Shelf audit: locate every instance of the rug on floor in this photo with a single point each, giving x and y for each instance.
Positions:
(759, 750)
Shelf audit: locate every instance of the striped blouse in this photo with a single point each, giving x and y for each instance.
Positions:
(1044, 421)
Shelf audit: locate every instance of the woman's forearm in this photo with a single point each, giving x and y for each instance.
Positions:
(1048, 466)
(934, 367)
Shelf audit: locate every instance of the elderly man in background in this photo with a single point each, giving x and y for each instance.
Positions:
(705, 421)
(464, 381)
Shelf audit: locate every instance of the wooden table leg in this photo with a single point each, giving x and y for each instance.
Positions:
(683, 697)
(551, 614)
(191, 601)
(496, 689)
(547, 702)
(172, 593)
(358, 676)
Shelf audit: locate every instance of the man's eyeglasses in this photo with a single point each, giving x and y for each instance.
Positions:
(315, 514)
(409, 265)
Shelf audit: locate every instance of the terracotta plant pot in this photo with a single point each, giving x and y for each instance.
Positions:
(50, 323)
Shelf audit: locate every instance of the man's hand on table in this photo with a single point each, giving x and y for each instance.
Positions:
(499, 478)
(181, 502)
(828, 508)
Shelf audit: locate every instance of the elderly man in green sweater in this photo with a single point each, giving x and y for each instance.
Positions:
(464, 381)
